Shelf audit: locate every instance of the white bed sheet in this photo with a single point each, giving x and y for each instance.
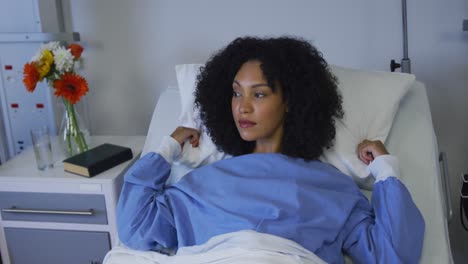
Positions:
(411, 139)
(245, 246)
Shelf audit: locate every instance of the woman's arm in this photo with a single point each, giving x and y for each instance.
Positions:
(392, 231)
(144, 217)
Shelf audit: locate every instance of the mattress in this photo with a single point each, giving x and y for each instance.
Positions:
(413, 140)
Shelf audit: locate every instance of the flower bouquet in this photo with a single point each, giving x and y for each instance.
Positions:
(56, 65)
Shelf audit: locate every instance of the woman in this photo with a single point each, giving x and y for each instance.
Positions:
(284, 101)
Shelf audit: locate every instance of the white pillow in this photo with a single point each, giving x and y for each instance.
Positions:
(370, 102)
(206, 152)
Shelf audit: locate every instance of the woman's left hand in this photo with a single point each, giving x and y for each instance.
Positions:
(369, 150)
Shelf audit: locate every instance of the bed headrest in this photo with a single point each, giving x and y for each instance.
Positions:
(370, 102)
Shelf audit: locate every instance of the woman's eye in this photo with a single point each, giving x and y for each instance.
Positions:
(235, 94)
(259, 95)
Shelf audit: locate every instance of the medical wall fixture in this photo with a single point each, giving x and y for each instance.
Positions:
(405, 63)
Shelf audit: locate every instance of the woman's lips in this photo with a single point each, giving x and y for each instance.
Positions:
(246, 123)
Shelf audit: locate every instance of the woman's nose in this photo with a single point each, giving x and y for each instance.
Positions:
(245, 105)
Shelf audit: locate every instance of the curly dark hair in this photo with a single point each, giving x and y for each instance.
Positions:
(309, 89)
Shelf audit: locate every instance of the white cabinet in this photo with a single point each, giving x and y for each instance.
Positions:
(57, 217)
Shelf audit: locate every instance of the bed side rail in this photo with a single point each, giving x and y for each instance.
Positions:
(446, 185)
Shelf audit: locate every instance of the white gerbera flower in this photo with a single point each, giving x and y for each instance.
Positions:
(52, 46)
(63, 60)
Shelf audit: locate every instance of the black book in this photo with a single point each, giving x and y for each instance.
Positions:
(97, 160)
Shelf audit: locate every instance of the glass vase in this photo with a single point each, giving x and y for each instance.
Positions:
(74, 133)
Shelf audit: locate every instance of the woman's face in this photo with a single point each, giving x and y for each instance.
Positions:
(259, 112)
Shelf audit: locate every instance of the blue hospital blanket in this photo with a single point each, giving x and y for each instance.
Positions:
(309, 202)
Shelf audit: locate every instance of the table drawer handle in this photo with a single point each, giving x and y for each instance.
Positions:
(13, 209)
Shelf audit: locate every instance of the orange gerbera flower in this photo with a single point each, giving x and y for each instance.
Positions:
(31, 76)
(71, 86)
(76, 50)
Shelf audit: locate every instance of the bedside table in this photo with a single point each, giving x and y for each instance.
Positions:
(54, 216)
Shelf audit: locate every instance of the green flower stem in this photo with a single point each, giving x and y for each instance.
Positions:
(69, 144)
(73, 130)
(83, 141)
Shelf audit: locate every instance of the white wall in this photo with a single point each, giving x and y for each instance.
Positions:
(132, 47)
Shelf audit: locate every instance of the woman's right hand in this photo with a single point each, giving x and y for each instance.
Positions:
(182, 134)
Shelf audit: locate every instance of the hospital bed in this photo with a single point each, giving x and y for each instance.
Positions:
(411, 139)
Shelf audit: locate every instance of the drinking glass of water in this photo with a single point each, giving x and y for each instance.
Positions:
(42, 147)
